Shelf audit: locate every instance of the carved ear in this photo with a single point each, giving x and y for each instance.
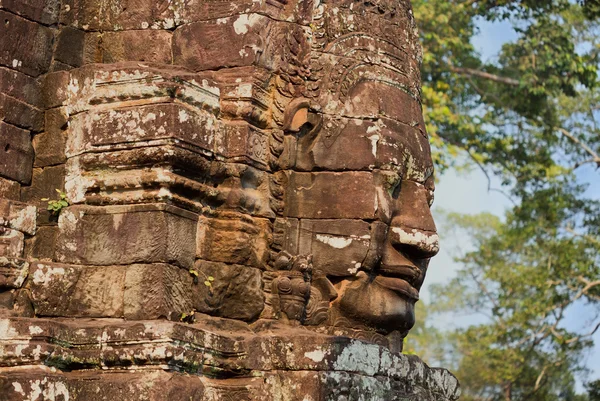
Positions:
(297, 115)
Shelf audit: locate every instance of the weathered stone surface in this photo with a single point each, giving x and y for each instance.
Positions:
(252, 366)
(20, 114)
(63, 290)
(148, 291)
(325, 195)
(21, 87)
(44, 184)
(126, 234)
(45, 11)
(16, 152)
(50, 146)
(49, 149)
(112, 47)
(9, 189)
(18, 216)
(42, 245)
(26, 46)
(144, 14)
(334, 250)
(235, 291)
(70, 47)
(11, 243)
(157, 292)
(13, 272)
(234, 240)
(227, 42)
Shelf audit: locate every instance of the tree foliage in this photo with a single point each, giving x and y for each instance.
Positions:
(528, 116)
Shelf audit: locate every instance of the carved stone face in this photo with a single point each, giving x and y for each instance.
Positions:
(360, 174)
(285, 158)
(359, 204)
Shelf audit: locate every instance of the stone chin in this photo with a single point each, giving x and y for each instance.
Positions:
(366, 303)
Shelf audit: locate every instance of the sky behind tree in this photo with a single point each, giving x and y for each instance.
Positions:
(467, 193)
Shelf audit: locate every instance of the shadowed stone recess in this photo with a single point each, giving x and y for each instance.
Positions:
(213, 200)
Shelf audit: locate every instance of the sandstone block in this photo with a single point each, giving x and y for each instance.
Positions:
(70, 46)
(144, 14)
(71, 291)
(235, 293)
(16, 153)
(139, 291)
(327, 195)
(11, 243)
(13, 272)
(41, 246)
(18, 216)
(381, 144)
(44, 184)
(119, 15)
(21, 87)
(45, 11)
(26, 46)
(235, 241)
(49, 148)
(98, 129)
(339, 247)
(111, 235)
(157, 292)
(9, 189)
(227, 42)
(113, 47)
(20, 114)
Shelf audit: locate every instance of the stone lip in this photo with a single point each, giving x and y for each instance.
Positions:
(217, 349)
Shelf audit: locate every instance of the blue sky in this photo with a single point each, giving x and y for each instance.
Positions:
(468, 193)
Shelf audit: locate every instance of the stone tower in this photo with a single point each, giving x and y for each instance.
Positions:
(212, 200)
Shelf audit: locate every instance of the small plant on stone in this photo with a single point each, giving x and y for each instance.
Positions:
(188, 317)
(55, 206)
(208, 280)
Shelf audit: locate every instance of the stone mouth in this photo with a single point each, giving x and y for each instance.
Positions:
(399, 286)
(404, 279)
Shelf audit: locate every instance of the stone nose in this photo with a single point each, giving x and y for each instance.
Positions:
(412, 229)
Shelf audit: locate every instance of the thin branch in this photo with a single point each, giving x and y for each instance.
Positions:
(539, 379)
(485, 75)
(584, 236)
(575, 140)
(489, 180)
(591, 333)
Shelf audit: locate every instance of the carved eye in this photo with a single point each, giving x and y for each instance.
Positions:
(430, 187)
(299, 117)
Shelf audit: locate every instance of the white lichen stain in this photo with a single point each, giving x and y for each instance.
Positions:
(33, 330)
(418, 238)
(183, 116)
(117, 221)
(245, 21)
(316, 355)
(358, 356)
(44, 274)
(76, 183)
(374, 139)
(18, 388)
(334, 241)
(354, 270)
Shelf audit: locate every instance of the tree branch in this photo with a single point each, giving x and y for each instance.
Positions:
(485, 75)
(588, 150)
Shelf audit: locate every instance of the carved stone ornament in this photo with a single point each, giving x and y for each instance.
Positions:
(213, 200)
